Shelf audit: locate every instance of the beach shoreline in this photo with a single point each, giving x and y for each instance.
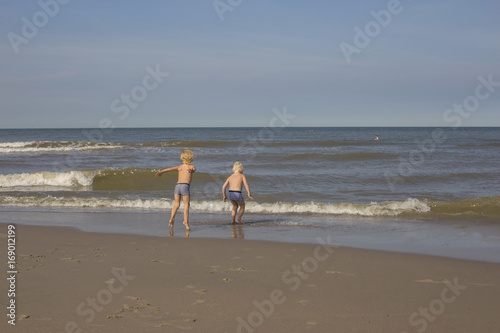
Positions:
(71, 281)
(467, 240)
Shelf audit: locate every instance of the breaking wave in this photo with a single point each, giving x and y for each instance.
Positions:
(110, 179)
(477, 208)
(53, 146)
(60, 179)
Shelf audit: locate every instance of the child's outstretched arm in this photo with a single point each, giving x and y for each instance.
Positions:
(224, 197)
(247, 187)
(158, 174)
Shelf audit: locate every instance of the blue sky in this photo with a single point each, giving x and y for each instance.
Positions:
(231, 62)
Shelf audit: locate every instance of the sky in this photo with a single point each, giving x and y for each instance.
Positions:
(239, 63)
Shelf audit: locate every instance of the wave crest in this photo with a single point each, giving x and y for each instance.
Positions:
(53, 146)
(487, 208)
(45, 178)
(394, 208)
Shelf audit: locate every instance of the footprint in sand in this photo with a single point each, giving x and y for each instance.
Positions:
(166, 323)
(161, 261)
(135, 298)
(145, 249)
(33, 267)
(113, 316)
(428, 281)
(199, 301)
(141, 306)
(118, 268)
(161, 324)
(444, 282)
(241, 269)
(110, 281)
(39, 258)
(341, 273)
(198, 291)
(72, 259)
(214, 269)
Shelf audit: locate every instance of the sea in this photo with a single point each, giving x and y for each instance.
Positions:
(420, 190)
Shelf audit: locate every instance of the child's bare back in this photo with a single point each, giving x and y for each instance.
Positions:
(185, 173)
(235, 183)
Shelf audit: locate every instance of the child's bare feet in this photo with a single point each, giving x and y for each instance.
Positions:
(171, 223)
(187, 225)
(239, 221)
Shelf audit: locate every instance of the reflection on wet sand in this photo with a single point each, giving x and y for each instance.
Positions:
(237, 231)
(171, 233)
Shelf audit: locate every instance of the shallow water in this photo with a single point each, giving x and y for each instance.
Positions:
(427, 173)
(441, 186)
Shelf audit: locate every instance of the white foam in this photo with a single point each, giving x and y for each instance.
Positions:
(16, 144)
(62, 179)
(49, 146)
(390, 208)
(75, 202)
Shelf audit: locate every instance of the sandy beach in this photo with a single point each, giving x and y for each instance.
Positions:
(73, 281)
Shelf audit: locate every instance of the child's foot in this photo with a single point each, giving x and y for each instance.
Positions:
(232, 222)
(187, 225)
(239, 221)
(171, 223)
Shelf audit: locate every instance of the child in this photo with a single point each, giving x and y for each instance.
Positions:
(235, 182)
(185, 174)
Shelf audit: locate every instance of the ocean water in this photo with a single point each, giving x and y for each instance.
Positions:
(331, 176)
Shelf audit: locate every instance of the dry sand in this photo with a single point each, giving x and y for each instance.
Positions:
(70, 281)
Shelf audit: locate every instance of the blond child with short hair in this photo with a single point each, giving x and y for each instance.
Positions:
(236, 182)
(185, 174)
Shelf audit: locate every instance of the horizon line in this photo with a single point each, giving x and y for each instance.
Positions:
(229, 127)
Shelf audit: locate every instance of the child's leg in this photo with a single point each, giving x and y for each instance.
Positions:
(233, 212)
(177, 203)
(187, 200)
(242, 210)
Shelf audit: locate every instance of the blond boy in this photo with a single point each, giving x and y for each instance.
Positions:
(185, 174)
(236, 182)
